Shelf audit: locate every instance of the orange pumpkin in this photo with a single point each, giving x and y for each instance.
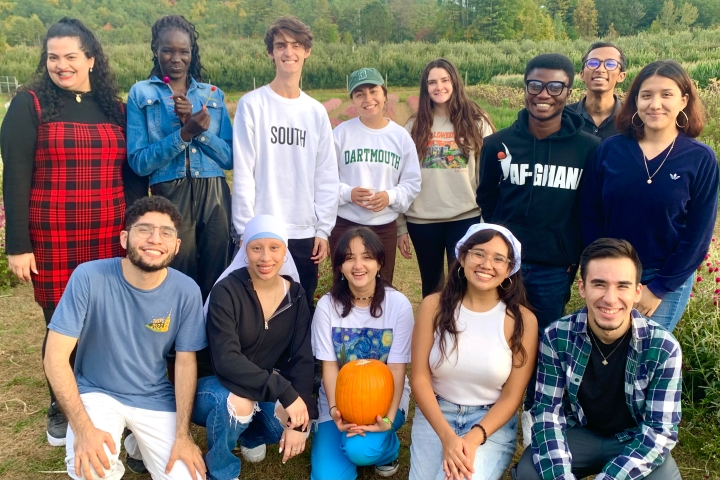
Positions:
(364, 390)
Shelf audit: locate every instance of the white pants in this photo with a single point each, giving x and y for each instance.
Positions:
(154, 432)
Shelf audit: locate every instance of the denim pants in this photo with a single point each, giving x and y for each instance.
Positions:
(335, 456)
(548, 290)
(211, 411)
(491, 459)
(590, 453)
(671, 308)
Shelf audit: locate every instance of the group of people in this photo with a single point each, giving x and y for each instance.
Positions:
(209, 316)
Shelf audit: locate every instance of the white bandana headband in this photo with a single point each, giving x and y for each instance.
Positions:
(262, 226)
(498, 228)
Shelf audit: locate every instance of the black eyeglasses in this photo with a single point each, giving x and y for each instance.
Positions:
(594, 63)
(534, 87)
(145, 231)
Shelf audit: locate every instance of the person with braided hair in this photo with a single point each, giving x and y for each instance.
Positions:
(179, 134)
(66, 179)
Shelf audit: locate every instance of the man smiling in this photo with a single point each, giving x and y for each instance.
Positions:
(607, 400)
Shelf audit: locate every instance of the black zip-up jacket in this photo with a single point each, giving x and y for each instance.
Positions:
(253, 359)
(532, 187)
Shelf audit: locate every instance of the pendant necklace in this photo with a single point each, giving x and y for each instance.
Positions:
(650, 177)
(597, 345)
(78, 97)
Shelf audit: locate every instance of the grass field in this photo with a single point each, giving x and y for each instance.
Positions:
(25, 454)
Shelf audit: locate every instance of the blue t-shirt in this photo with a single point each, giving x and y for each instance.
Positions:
(124, 333)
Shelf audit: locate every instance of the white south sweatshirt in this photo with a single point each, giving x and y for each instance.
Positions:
(384, 158)
(284, 163)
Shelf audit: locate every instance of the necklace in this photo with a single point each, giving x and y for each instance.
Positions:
(78, 95)
(649, 180)
(364, 298)
(277, 285)
(597, 344)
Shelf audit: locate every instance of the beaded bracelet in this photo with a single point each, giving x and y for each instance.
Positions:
(482, 429)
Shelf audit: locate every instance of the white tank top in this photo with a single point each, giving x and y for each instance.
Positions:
(481, 363)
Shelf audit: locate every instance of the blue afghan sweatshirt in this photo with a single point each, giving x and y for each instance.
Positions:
(669, 221)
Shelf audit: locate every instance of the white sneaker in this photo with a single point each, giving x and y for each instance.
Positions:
(253, 455)
(527, 422)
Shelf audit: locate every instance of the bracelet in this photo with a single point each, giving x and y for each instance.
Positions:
(482, 429)
(299, 429)
(330, 412)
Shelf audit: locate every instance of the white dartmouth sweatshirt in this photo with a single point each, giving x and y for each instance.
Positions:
(284, 163)
(385, 159)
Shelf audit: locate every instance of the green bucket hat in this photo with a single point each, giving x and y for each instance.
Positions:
(364, 76)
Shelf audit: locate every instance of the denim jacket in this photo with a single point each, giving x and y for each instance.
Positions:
(154, 144)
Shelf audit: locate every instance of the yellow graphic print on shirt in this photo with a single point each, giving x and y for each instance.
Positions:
(160, 324)
(443, 152)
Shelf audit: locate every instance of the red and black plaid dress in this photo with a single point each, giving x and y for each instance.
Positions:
(77, 202)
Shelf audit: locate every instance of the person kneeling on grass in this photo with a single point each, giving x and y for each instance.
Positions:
(119, 384)
(256, 377)
(607, 399)
(362, 317)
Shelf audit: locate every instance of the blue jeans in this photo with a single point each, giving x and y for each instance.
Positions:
(548, 290)
(335, 456)
(491, 459)
(671, 308)
(211, 412)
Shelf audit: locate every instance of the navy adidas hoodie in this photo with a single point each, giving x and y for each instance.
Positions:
(532, 187)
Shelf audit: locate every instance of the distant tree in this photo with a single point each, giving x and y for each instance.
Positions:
(346, 38)
(585, 19)
(559, 27)
(375, 22)
(688, 16)
(611, 32)
(23, 31)
(534, 23)
(325, 31)
(667, 19)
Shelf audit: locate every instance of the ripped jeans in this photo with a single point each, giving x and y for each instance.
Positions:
(212, 411)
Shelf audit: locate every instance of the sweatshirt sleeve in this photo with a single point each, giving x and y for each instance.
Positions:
(219, 147)
(592, 215)
(408, 187)
(345, 194)
(490, 176)
(243, 185)
(18, 139)
(327, 182)
(233, 369)
(695, 237)
(297, 364)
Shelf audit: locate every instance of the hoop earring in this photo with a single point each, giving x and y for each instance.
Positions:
(286, 259)
(460, 269)
(246, 260)
(687, 121)
(632, 121)
(505, 288)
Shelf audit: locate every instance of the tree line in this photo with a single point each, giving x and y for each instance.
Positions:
(24, 22)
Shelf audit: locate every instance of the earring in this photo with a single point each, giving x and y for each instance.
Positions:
(246, 260)
(90, 69)
(687, 120)
(460, 269)
(378, 274)
(286, 259)
(505, 288)
(342, 277)
(632, 121)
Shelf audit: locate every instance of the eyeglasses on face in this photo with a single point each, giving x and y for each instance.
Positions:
(594, 63)
(479, 256)
(145, 231)
(534, 87)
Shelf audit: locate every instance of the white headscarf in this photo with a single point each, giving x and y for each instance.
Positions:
(498, 228)
(261, 226)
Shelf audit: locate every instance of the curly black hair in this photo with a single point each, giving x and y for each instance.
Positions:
(177, 22)
(102, 78)
(155, 203)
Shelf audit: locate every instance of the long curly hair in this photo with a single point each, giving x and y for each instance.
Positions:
(102, 79)
(514, 296)
(177, 22)
(463, 113)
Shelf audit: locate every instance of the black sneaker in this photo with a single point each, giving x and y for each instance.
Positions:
(56, 426)
(135, 465)
(387, 470)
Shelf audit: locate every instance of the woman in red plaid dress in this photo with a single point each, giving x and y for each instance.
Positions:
(65, 171)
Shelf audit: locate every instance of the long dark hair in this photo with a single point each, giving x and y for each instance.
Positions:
(102, 79)
(675, 72)
(451, 296)
(177, 22)
(463, 113)
(340, 290)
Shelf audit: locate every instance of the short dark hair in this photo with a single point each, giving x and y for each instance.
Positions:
(609, 248)
(552, 61)
(154, 203)
(293, 27)
(623, 59)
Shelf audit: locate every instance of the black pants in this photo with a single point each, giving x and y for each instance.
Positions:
(590, 453)
(301, 251)
(205, 248)
(432, 241)
(48, 313)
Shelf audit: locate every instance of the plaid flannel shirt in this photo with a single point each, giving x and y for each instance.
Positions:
(653, 375)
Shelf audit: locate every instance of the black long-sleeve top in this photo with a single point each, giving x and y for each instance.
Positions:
(244, 354)
(18, 141)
